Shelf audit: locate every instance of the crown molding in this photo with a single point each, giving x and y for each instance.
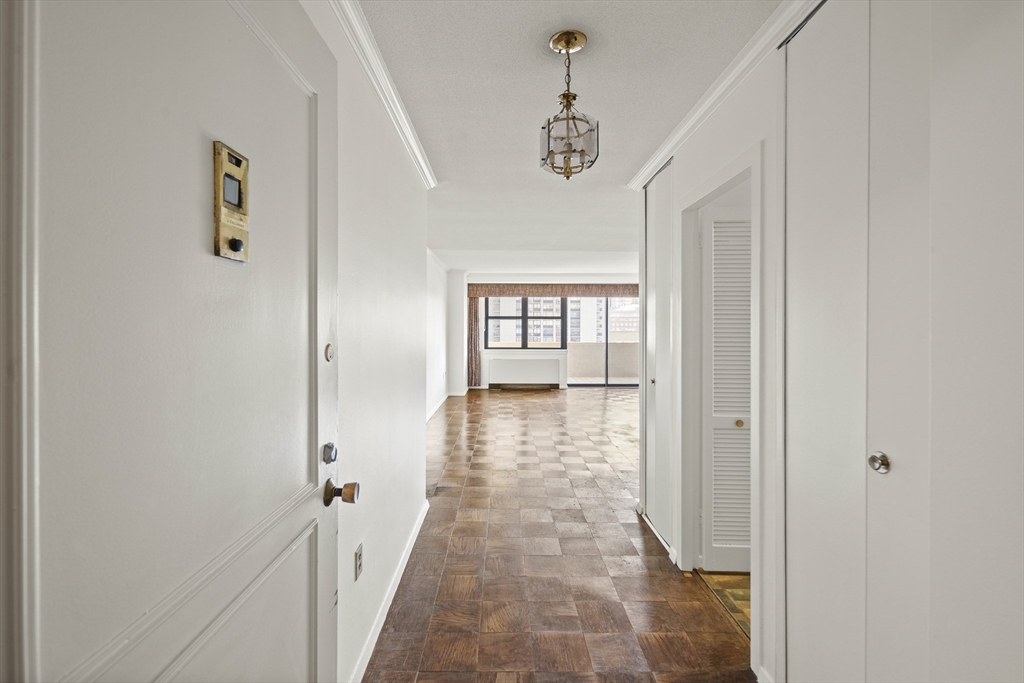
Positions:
(353, 22)
(786, 19)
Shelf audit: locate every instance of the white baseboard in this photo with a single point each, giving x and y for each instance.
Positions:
(437, 407)
(382, 613)
(763, 676)
(466, 391)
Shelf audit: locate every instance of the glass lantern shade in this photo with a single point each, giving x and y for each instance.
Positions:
(568, 143)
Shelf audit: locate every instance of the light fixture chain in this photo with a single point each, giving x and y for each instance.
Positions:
(568, 74)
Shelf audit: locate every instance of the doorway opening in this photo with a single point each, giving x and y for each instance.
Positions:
(719, 329)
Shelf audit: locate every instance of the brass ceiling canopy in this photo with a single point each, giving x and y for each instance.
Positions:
(568, 41)
(568, 141)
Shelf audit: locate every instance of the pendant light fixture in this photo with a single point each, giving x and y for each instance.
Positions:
(568, 140)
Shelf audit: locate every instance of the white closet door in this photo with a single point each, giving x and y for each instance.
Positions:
(826, 349)
(726, 253)
(661, 484)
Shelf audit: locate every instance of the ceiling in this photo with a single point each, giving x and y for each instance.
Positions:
(477, 78)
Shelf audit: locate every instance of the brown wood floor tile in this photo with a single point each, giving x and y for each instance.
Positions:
(504, 517)
(626, 566)
(431, 544)
(703, 617)
(649, 547)
(504, 565)
(424, 564)
(456, 615)
(446, 651)
(669, 652)
(505, 617)
(679, 588)
(417, 588)
(470, 529)
(547, 588)
(539, 530)
(554, 616)
(659, 617)
(460, 588)
(616, 547)
(568, 515)
(506, 652)
(564, 677)
(722, 651)
(592, 588)
(374, 676)
(541, 546)
(615, 652)
(398, 652)
(579, 546)
(411, 616)
(637, 589)
(507, 677)
(504, 588)
(585, 565)
(504, 546)
(625, 677)
(535, 515)
(464, 564)
(544, 565)
(707, 677)
(447, 677)
(467, 545)
(603, 616)
(560, 652)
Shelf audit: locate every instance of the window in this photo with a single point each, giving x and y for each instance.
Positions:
(524, 322)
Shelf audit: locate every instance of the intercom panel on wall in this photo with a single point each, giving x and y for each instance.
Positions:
(230, 203)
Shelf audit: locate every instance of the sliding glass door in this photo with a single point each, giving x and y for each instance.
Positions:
(603, 341)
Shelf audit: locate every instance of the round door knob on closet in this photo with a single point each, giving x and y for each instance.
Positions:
(879, 462)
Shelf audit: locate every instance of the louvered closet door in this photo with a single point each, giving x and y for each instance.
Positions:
(725, 245)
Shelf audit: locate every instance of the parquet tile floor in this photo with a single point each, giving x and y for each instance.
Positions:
(532, 565)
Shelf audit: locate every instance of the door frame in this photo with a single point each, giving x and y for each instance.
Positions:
(767, 419)
(19, 349)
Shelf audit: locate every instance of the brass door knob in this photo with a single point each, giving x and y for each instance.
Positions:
(349, 493)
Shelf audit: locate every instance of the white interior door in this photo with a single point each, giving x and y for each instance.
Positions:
(183, 398)
(826, 354)
(725, 330)
(661, 488)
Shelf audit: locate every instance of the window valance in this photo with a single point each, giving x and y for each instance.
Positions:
(487, 289)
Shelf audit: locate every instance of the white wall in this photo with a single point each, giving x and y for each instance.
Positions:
(382, 207)
(743, 135)
(458, 332)
(437, 332)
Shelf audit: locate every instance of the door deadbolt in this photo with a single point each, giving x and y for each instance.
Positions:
(330, 453)
(879, 462)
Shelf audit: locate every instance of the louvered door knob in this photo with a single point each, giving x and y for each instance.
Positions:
(879, 462)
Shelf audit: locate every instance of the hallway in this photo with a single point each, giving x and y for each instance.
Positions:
(532, 565)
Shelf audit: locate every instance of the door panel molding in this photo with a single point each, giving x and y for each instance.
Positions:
(126, 641)
(211, 629)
